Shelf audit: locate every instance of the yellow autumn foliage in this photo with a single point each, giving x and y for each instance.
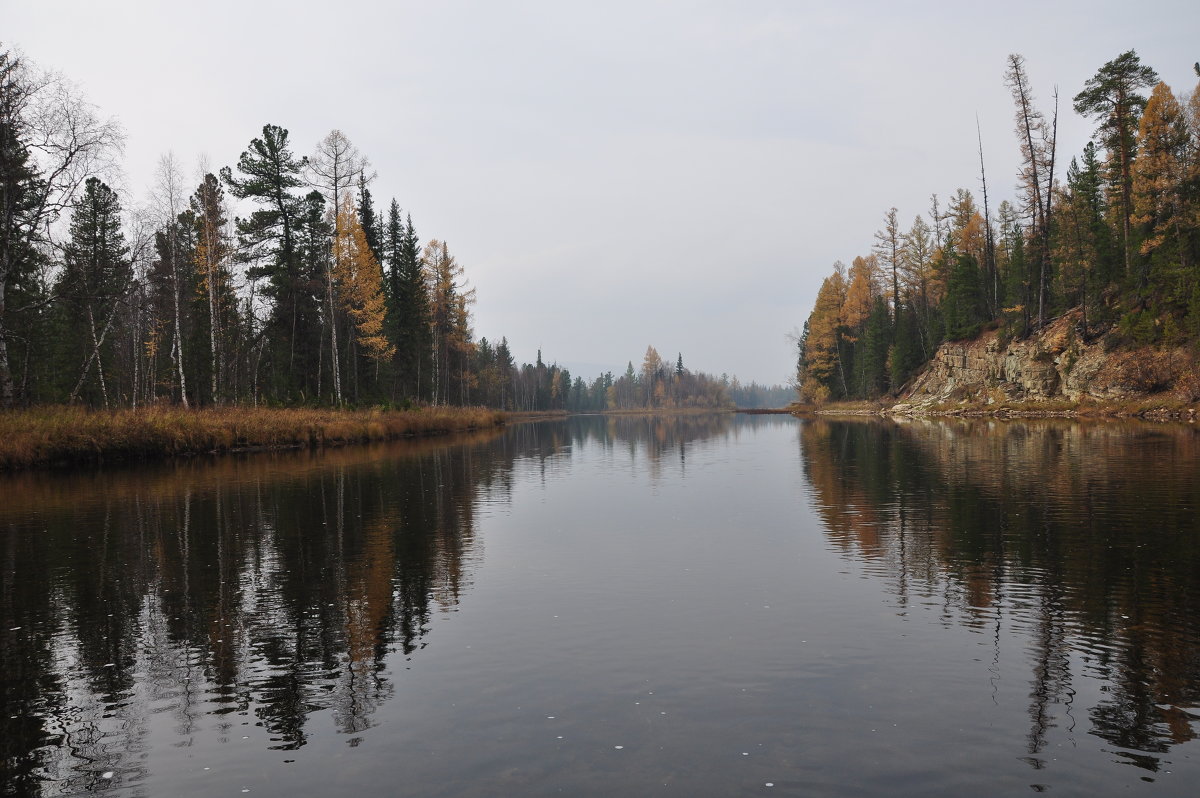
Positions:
(360, 284)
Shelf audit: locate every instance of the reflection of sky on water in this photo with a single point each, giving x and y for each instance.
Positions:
(500, 613)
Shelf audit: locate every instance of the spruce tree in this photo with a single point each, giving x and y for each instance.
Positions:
(368, 220)
(963, 305)
(95, 277)
(872, 350)
(413, 359)
(20, 188)
(313, 252)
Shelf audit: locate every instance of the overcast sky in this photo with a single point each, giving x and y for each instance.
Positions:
(615, 174)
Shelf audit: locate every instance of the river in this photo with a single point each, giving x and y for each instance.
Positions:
(687, 605)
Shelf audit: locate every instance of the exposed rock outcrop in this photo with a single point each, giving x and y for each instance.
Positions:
(1055, 365)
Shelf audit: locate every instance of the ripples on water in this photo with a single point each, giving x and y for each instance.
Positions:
(709, 605)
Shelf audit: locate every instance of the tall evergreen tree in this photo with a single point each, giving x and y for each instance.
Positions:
(215, 295)
(268, 175)
(95, 278)
(1112, 96)
(412, 325)
(871, 355)
(1083, 239)
(963, 307)
(314, 255)
(368, 220)
(20, 189)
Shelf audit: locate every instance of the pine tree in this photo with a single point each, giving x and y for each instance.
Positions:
(268, 175)
(1112, 97)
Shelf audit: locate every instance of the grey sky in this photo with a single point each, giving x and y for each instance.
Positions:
(615, 174)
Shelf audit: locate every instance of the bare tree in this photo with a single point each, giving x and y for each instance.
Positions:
(1037, 170)
(58, 140)
(333, 169)
(887, 247)
(989, 251)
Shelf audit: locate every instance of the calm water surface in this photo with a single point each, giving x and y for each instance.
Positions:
(615, 606)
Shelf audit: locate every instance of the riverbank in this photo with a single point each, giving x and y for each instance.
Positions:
(60, 435)
(1149, 409)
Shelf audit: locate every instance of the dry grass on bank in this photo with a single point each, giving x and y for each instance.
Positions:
(59, 434)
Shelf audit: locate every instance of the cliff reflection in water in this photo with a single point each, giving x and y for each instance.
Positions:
(1082, 539)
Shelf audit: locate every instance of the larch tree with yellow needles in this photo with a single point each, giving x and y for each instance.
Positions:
(359, 281)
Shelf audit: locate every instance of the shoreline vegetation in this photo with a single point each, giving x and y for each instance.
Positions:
(1146, 409)
(59, 435)
(1077, 297)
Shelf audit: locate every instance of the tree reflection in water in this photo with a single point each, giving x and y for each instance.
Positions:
(264, 589)
(268, 587)
(1082, 537)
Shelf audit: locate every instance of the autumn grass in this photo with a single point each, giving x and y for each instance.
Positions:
(58, 434)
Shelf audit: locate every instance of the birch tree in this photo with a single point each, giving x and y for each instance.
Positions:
(168, 196)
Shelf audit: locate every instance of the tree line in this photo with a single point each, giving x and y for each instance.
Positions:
(312, 297)
(656, 385)
(272, 281)
(1118, 237)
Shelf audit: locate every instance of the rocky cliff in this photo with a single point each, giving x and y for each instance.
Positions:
(1054, 366)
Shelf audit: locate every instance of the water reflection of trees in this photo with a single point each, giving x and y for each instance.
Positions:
(1084, 537)
(257, 590)
(261, 590)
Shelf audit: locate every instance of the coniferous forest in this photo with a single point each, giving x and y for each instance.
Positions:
(278, 280)
(1113, 231)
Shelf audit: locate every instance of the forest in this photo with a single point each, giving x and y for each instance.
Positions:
(1117, 237)
(276, 281)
